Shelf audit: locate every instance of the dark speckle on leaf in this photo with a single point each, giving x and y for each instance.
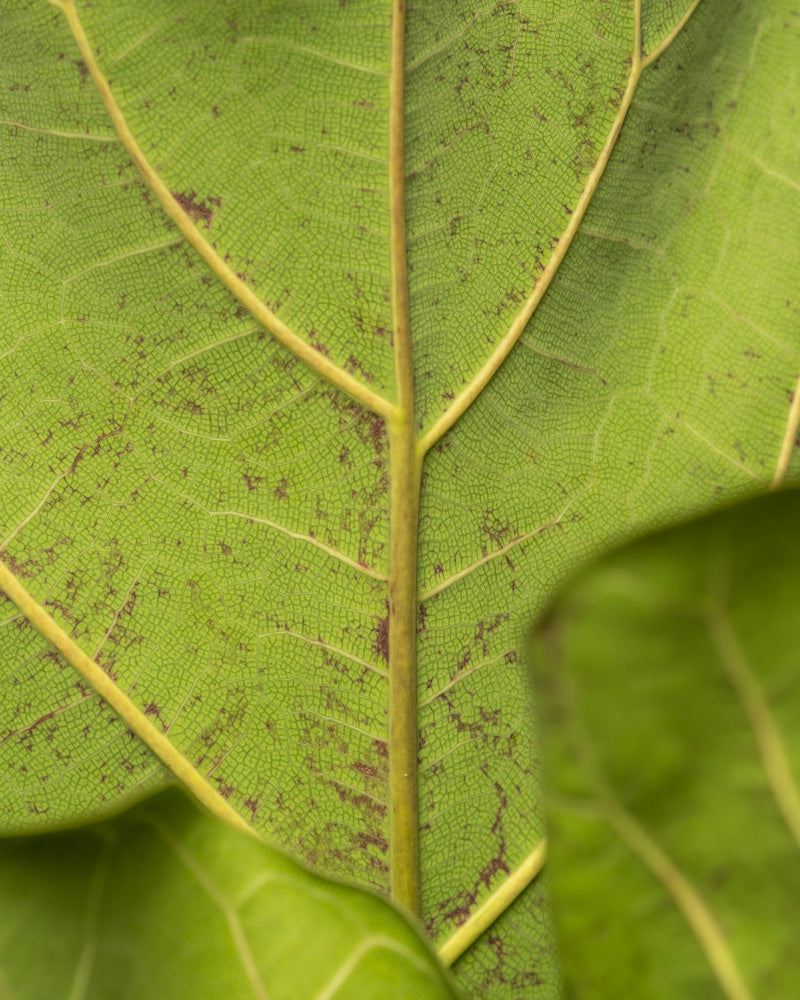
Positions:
(199, 210)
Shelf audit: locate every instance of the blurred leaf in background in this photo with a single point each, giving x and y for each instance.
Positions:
(669, 678)
(168, 902)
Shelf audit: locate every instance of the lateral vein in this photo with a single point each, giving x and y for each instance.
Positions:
(265, 316)
(660, 49)
(439, 587)
(789, 440)
(690, 904)
(767, 736)
(685, 896)
(471, 392)
(97, 886)
(493, 907)
(125, 708)
(213, 891)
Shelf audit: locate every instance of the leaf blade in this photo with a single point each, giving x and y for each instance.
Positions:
(229, 514)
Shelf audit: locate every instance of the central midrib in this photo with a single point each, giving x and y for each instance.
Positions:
(406, 449)
(405, 476)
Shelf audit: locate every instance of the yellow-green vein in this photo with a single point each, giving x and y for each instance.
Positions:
(686, 897)
(88, 136)
(97, 884)
(789, 439)
(485, 915)
(130, 713)
(315, 360)
(227, 908)
(471, 392)
(450, 580)
(405, 474)
(661, 48)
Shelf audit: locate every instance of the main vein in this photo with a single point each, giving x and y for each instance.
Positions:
(248, 298)
(125, 708)
(405, 472)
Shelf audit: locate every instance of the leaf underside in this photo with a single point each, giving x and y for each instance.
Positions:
(208, 515)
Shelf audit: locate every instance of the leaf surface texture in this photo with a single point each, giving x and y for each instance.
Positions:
(203, 392)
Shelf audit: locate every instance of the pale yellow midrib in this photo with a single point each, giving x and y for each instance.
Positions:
(405, 480)
(126, 709)
(266, 317)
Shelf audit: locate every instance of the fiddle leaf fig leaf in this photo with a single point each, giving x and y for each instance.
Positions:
(334, 337)
(669, 688)
(167, 902)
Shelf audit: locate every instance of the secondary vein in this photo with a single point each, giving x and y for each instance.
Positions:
(126, 709)
(766, 733)
(493, 907)
(789, 440)
(315, 360)
(471, 392)
(684, 894)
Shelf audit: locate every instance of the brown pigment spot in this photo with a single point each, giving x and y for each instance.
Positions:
(198, 211)
(381, 645)
(366, 769)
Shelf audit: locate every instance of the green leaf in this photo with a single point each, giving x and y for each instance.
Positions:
(324, 362)
(167, 902)
(671, 671)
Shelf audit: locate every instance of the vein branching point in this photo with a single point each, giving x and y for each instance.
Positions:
(407, 451)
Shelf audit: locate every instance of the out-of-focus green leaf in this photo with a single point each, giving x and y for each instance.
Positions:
(671, 680)
(167, 903)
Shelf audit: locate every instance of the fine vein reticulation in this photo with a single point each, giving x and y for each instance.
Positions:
(407, 452)
(127, 710)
